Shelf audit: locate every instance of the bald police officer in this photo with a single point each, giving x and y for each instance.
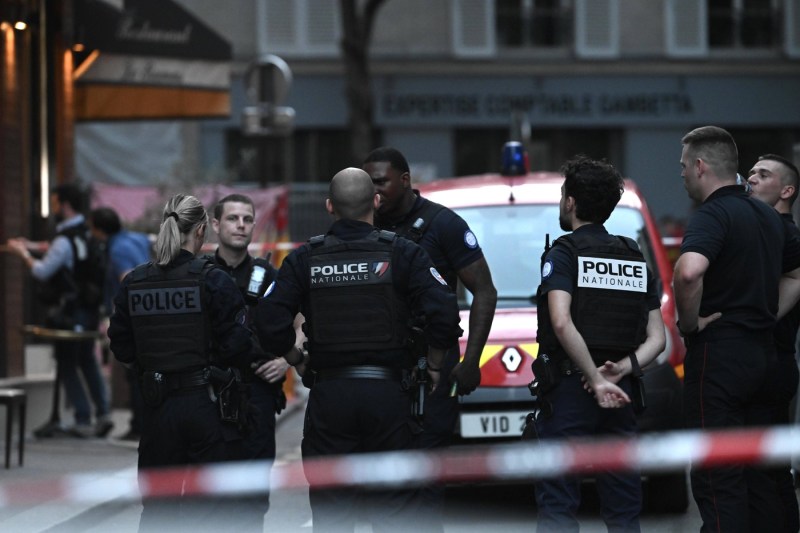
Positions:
(357, 288)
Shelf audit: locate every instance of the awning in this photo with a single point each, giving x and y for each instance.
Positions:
(148, 59)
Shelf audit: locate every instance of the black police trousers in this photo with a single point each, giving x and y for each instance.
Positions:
(576, 414)
(355, 416)
(184, 430)
(726, 385)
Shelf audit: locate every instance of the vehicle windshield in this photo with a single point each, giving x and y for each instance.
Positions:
(513, 239)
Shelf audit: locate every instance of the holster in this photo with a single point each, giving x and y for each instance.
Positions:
(233, 396)
(546, 373)
(638, 393)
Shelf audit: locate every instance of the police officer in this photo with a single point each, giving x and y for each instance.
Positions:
(599, 322)
(775, 180)
(455, 252)
(180, 322)
(727, 295)
(358, 288)
(233, 223)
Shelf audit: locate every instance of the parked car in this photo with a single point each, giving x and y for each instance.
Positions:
(511, 216)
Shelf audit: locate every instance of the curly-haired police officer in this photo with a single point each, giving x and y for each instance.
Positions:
(358, 287)
(180, 321)
(599, 321)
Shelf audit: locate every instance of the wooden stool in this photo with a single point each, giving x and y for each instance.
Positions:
(12, 398)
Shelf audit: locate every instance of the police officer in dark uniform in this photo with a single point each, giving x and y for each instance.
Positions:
(233, 223)
(358, 288)
(733, 256)
(775, 181)
(181, 322)
(599, 322)
(455, 252)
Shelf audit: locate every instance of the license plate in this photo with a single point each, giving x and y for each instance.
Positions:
(495, 424)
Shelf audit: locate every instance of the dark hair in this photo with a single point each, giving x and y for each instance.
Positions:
(793, 174)
(596, 186)
(716, 147)
(235, 197)
(389, 155)
(71, 194)
(182, 214)
(106, 220)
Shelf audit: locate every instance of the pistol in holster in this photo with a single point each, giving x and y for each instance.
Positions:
(233, 396)
(418, 379)
(546, 376)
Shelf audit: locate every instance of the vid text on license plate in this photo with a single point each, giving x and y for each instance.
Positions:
(495, 424)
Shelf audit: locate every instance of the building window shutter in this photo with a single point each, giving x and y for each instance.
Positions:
(597, 28)
(792, 28)
(322, 26)
(687, 28)
(473, 28)
(281, 25)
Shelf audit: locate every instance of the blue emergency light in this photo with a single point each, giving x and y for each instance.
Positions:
(515, 159)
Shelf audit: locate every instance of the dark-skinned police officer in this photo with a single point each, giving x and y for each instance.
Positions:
(233, 223)
(599, 322)
(357, 288)
(180, 322)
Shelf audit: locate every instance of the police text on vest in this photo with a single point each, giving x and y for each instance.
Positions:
(616, 274)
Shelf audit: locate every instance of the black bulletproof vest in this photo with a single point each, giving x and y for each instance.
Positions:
(353, 305)
(168, 316)
(609, 306)
(62, 288)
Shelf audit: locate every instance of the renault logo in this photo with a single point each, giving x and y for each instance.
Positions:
(511, 359)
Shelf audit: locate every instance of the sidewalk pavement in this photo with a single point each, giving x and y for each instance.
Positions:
(104, 460)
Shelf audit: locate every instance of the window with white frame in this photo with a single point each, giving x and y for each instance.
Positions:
(533, 23)
(303, 27)
(744, 23)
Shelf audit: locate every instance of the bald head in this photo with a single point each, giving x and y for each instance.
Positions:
(352, 195)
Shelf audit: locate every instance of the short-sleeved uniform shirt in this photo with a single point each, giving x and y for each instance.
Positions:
(786, 329)
(560, 267)
(448, 239)
(748, 248)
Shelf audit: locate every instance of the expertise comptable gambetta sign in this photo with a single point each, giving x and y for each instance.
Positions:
(541, 104)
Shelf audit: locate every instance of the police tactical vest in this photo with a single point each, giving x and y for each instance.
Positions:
(609, 306)
(353, 304)
(168, 316)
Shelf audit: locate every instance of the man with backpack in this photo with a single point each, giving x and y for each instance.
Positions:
(126, 250)
(68, 275)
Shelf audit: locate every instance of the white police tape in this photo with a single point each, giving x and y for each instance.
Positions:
(525, 460)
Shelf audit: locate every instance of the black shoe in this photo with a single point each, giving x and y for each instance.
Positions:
(104, 426)
(131, 435)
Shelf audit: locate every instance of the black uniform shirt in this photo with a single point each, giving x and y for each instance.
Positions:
(411, 276)
(226, 314)
(786, 329)
(748, 248)
(449, 241)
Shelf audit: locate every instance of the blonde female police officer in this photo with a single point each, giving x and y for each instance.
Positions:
(174, 319)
